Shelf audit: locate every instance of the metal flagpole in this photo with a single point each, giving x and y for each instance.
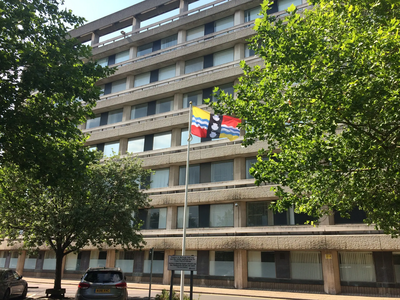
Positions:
(186, 195)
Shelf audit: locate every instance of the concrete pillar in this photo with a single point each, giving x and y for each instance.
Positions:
(63, 265)
(327, 220)
(238, 52)
(95, 39)
(176, 137)
(126, 113)
(178, 101)
(183, 6)
(135, 23)
(21, 263)
(173, 176)
(110, 260)
(330, 271)
(238, 17)
(167, 273)
(239, 168)
(240, 265)
(123, 146)
(239, 214)
(130, 82)
(132, 52)
(82, 126)
(181, 36)
(172, 212)
(180, 68)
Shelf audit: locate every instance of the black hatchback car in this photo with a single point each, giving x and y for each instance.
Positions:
(102, 283)
(12, 285)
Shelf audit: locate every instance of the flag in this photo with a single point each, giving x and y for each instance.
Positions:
(205, 124)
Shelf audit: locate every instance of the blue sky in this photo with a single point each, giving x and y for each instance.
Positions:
(95, 9)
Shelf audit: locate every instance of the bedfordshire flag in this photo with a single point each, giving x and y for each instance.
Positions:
(205, 124)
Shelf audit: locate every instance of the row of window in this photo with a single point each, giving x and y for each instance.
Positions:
(355, 267)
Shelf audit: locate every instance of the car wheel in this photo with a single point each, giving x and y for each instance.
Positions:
(23, 296)
(6, 295)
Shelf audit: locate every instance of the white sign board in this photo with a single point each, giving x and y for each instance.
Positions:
(182, 263)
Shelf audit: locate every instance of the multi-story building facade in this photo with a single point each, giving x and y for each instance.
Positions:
(161, 65)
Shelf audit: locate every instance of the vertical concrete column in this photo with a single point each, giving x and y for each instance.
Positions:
(238, 52)
(327, 219)
(238, 17)
(330, 271)
(167, 273)
(183, 6)
(95, 39)
(135, 23)
(130, 82)
(239, 214)
(82, 126)
(173, 176)
(132, 52)
(126, 113)
(110, 260)
(181, 36)
(63, 265)
(123, 146)
(176, 137)
(239, 168)
(180, 68)
(178, 98)
(172, 212)
(240, 265)
(21, 263)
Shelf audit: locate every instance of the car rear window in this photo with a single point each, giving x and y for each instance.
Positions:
(103, 277)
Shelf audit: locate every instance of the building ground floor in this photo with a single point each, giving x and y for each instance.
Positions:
(362, 264)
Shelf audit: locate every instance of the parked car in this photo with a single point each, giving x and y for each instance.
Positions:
(12, 285)
(102, 283)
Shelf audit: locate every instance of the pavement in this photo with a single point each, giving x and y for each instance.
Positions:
(266, 294)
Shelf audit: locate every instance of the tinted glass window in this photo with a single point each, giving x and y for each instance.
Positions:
(103, 277)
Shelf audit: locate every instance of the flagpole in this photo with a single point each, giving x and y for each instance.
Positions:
(186, 196)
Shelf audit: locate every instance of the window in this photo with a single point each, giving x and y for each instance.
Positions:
(169, 41)
(91, 123)
(357, 267)
(306, 265)
(249, 164)
(97, 259)
(30, 262)
(223, 57)
(284, 4)
(252, 14)
(125, 261)
(223, 23)
(257, 213)
(227, 88)
(184, 138)
(142, 79)
(122, 56)
(103, 62)
(221, 215)
(114, 116)
(159, 178)
(396, 262)
(194, 33)
(111, 149)
(136, 145)
(158, 262)
(118, 86)
(153, 218)
(261, 264)
(248, 52)
(144, 49)
(139, 111)
(167, 72)
(162, 140)
(221, 263)
(164, 105)
(49, 262)
(196, 98)
(194, 174)
(194, 65)
(222, 171)
(192, 218)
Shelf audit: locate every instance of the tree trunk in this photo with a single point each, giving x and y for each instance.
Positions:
(59, 261)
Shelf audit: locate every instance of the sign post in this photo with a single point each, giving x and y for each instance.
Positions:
(182, 263)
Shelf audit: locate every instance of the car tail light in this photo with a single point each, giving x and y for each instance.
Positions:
(121, 285)
(83, 285)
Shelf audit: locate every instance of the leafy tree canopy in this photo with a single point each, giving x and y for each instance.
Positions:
(42, 83)
(98, 210)
(327, 101)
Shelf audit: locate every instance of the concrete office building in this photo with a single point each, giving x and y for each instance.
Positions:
(161, 65)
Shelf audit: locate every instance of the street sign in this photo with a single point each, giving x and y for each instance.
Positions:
(182, 263)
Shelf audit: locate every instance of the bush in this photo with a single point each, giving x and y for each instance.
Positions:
(175, 296)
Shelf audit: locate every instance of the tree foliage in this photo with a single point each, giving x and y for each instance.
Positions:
(43, 82)
(98, 209)
(327, 101)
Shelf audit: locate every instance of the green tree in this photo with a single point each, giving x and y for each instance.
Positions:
(98, 210)
(43, 82)
(326, 99)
